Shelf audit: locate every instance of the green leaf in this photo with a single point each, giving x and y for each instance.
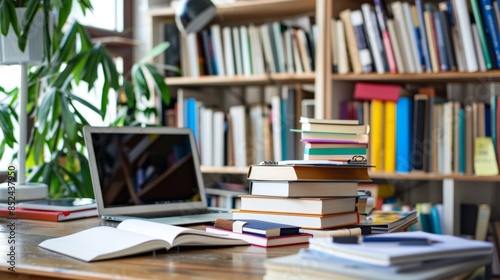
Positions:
(91, 70)
(38, 146)
(71, 68)
(8, 18)
(86, 103)
(70, 126)
(139, 80)
(64, 12)
(129, 92)
(104, 98)
(67, 44)
(2, 147)
(159, 49)
(29, 16)
(160, 84)
(44, 109)
(6, 125)
(47, 42)
(110, 69)
(85, 5)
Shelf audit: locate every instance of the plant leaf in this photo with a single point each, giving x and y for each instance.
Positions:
(8, 18)
(159, 49)
(29, 16)
(160, 84)
(139, 81)
(85, 103)
(70, 126)
(64, 12)
(7, 126)
(44, 109)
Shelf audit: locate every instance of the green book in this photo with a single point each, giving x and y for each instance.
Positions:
(480, 30)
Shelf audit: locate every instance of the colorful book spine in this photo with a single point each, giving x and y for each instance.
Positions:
(423, 35)
(404, 134)
(335, 151)
(359, 32)
(390, 136)
(491, 28)
(376, 134)
(481, 32)
(381, 17)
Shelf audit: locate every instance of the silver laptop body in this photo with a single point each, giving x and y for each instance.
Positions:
(147, 173)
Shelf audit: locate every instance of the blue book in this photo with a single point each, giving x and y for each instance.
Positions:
(461, 140)
(192, 117)
(491, 28)
(257, 227)
(435, 218)
(441, 42)
(487, 120)
(423, 35)
(363, 49)
(404, 134)
(493, 121)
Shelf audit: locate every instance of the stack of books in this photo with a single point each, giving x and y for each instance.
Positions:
(304, 193)
(338, 140)
(410, 255)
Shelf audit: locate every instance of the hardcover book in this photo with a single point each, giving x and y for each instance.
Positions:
(303, 188)
(261, 240)
(340, 172)
(256, 227)
(51, 216)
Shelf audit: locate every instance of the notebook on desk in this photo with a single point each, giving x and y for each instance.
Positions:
(147, 172)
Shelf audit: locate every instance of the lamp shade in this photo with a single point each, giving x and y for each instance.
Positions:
(193, 15)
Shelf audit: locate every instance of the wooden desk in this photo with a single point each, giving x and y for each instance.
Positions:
(238, 262)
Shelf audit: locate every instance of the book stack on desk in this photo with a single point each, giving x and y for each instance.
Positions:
(306, 194)
(402, 255)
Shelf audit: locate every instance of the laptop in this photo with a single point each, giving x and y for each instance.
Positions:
(147, 173)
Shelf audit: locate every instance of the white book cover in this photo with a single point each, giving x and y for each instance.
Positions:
(237, 50)
(296, 52)
(403, 37)
(266, 46)
(228, 51)
(192, 47)
(395, 46)
(218, 138)
(363, 49)
(256, 50)
(206, 136)
(276, 26)
(465, 32)
(372, 32)
(184, 56)
(302, 42)
(447, 137)
(343, 66)
(335, 48)
(245, 51)
(410, 30)
(217, 48)
(257, 129)
(276, 125)
(238, 118)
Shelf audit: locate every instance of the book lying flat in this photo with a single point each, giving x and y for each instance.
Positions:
(257, 227)
(301, 220)
(261, 240)
(301, 205)
(302, 172)
(303, 188)
(51, 216)
(381, 221)
(443, 246)
(131, 237)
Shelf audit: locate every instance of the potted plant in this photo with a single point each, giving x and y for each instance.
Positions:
(55, 150)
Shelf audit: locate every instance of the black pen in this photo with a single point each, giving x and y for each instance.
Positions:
(375, 240)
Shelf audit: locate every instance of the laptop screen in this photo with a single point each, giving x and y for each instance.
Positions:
(155, 167)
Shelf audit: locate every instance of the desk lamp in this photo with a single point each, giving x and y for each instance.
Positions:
(192, 15)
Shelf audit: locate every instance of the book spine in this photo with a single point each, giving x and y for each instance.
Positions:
(352, 44)
(228, 51)
(359, 32)
(492, 28)
(423, 35)
(404, 137)
(448, 40)
(376, 134)
(410, 30)
(441, 47)
(373, 37)
(464, 27)
(217, 44)
(343, 66)
(390, 136)
(481, 33)
(381, 17)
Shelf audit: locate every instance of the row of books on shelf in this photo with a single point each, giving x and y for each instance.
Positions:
(423, 37)
(241, 135)
(274, 47)
(426, 131)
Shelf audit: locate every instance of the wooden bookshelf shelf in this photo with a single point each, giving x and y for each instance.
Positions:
(245, 11)
(489, 76)
(432, 177)
(241, 80)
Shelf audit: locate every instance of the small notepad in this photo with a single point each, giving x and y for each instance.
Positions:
(485, 162)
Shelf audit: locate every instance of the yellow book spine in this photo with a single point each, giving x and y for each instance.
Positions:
(390, 136)
(376, 134)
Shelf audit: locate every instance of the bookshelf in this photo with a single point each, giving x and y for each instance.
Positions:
(331, 88)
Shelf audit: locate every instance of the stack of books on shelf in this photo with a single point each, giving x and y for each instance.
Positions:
(313, 196)
(403, 37)
(427, 128)
(435, 257)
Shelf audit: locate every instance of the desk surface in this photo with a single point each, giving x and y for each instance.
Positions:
(246, 262)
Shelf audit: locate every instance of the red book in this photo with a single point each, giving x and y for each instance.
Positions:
(369, 91)
(51, 216)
